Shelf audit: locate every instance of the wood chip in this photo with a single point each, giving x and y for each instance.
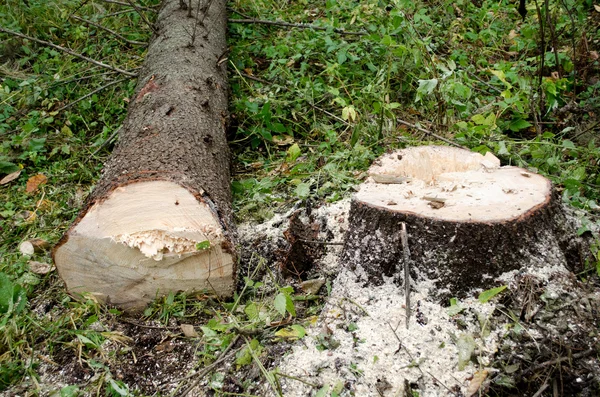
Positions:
(40, 267)
(189, 331)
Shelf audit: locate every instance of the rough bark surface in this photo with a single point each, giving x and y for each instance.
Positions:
(458, 253)
(174, 135)
(175, 129)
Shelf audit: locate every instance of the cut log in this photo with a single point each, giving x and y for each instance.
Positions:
(159, 219)
(33, 246)
(469, 219)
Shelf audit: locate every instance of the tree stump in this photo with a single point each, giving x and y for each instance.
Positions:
(159, 219)
(468, 219)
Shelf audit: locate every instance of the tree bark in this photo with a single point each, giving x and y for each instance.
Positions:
(159, 220)
(468, 219)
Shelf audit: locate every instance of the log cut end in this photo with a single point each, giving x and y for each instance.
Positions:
(453, 184)
(468, 219)
(145, 240)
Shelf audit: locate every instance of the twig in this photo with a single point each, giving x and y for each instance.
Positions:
(139, 11)
(119, 36)
(541, 389)
(406, 252)
(114, 14)
(239, 13)
(68, 105)
(328, 113)
(491, 87)
(423, 130)
(126, 4)
(250, 77)
(74, 79)
(68, 51)
(295, 25)
(144, 325)
(106, 142)
(222, 357)
(441, 383)
(320, 242)
(582, 354)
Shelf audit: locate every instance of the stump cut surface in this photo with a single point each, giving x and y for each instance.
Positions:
(468, 219)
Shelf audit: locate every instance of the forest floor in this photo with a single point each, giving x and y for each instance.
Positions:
(312, 106)
(540, 333)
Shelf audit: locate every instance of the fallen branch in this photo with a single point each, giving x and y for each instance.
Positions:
(68, 51)
(117, 35)
(423, 130)
(258, 79)
(208, 369)
(295, 25)
(328, 113)
(139, 11)
(126, 4)
(89, 94)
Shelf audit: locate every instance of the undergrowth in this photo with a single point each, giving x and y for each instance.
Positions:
(310, 110)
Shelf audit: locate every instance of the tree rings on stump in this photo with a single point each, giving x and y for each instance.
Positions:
(468, 219)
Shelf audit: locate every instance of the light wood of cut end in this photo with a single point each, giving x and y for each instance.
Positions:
(452, 184)
(145, 240)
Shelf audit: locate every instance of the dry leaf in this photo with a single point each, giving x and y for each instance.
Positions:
(40, 267)
(283, 140)
(34, 182)
(597, 7)
(166, 347)
(311, 287)
(476, 382)
(189, 331)
(10, 177)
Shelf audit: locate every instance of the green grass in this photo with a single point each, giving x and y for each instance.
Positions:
(326, 106)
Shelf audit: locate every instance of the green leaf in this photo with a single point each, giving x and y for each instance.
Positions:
(292, 333)
(293, 153)
(426, 87)
(502, 150)
(455, 307)
(69, 391)
(485, 296)
(322, 391)
(519, 124)
(203, 245)
(251, 311)
(280, 303)
(6, 167)
(303, 190)
(466, 347)
(119, 387)
(11, 294)
(567, 144)
(289, 305)
(86, 341)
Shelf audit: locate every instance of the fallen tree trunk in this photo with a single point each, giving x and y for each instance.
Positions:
(468, 219)
(159, 219)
